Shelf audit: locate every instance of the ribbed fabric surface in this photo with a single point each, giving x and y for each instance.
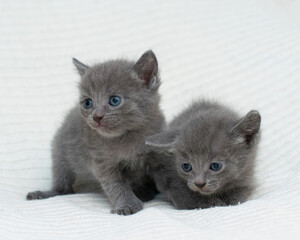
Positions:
(243, 53)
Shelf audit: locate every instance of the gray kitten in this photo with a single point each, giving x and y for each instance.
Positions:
(206, 157)
(102, 138)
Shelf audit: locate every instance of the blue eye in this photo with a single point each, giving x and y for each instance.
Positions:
(186, 167)
(88, 103)
(216, 166)
(114, 101)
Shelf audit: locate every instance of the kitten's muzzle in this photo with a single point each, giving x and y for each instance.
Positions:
(200, 184)
(199, 187)
(97, 118)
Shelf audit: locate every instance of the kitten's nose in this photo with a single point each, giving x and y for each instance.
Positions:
(199, 184)
(97, 118)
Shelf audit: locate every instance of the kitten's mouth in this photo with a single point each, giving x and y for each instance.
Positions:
(106, 130)
(204, 191)
(99, 127)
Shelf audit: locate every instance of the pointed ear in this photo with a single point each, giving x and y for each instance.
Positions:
(81, 68)
(248, 127)
(163, 141)
(147, 68)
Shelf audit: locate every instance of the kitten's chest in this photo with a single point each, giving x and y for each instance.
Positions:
(118, 151)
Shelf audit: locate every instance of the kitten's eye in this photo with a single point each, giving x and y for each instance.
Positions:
(216, 166)
(88, 103)
(186, 167)
(114, 101)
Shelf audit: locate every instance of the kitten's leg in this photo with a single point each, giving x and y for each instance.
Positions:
(181, 196)
(147, 191)
(235, 196)
(187, 199)
(177, 192)
(175, 189)
(183, 199)
(41, 194)
(63, 179)
(119, 192)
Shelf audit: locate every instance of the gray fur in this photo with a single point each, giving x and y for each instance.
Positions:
(206, 132)
(112, 153)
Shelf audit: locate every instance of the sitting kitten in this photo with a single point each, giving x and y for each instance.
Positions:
(102, 138)
(206, 157)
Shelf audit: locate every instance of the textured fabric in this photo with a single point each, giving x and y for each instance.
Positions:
(244, 53)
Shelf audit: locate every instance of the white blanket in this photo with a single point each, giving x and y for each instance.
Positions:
(244, 53)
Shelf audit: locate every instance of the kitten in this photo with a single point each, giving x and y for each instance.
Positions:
(102, 138)
(206, 157)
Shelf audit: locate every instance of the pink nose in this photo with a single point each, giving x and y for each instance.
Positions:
(97, 118)
(199, 184)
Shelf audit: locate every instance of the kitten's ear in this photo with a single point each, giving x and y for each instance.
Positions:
(81, 68)
(163, 141)
(248, 127)
(147, 68)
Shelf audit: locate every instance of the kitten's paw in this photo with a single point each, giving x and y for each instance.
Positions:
(128, 209)
(40, 195)
(181, 204)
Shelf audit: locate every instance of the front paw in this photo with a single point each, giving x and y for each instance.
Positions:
(185, 204)
(40, 195)
(128, 209)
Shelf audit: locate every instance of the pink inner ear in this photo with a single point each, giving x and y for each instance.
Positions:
(248, 127)
(147, 73)
(146, 67)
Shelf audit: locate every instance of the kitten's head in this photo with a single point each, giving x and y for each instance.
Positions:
(118, 96)
(213, 152)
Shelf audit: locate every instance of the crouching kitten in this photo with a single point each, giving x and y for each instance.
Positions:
(102, 138)
(206, 157)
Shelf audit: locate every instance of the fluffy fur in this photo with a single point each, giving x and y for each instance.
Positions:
(105, 143)
(203, 134)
